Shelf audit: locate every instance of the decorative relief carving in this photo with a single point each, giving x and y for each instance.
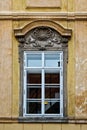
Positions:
(42, 38)
(42, 35)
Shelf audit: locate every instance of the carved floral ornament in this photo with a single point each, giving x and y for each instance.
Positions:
(42, 37)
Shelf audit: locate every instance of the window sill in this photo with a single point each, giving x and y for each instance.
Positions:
(52, 120)
(43, 119)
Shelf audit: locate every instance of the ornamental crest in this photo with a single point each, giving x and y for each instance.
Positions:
(44, 37)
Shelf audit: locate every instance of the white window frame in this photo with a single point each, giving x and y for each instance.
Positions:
(25, 69)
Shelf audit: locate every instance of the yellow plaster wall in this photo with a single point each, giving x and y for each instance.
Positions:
(71, 73)
(12, 127)
(77, 62)
(22, 6)
(5, 68)
(71, 6)
(5, 5)
(16, 76)
(81, 68)
(67, 5)
(81, 5)
(48, 126)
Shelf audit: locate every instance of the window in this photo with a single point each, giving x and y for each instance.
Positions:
(43, 56)
(43, 83)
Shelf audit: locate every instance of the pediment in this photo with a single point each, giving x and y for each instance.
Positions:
(42, 35)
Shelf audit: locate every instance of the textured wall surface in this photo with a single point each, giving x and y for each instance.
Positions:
(58, 5)
(45, 3)
(42, 127)
(15, 12)
(81, 5)
(5, 68)
(81, 69)
(5, 5)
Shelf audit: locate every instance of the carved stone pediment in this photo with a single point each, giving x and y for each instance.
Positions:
(43, 36)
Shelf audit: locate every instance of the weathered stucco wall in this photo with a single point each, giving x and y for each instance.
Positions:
(81, 5)
(42, 127)
(16, 76)
(71, 73)
(24, 5)
(5, 5)
(81, 68)
(5, 68)
(76, 67)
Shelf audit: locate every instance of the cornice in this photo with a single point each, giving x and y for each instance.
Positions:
(7, 15)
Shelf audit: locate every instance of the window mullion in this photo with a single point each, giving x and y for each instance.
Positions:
(61, 86)
(24, 92)
(43, 83)
(61, 93)
(24, 89)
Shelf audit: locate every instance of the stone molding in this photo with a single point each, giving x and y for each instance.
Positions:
(47, 23)
(38, 15)
(57, 120)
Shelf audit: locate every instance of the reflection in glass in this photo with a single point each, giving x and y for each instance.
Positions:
(51, 60)
(34, 60)
(33, 107)
(52, 92)
(52, 78)
(33, 78)
(52, 107)
(34, 93)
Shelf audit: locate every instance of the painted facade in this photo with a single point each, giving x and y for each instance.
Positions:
(70, 14)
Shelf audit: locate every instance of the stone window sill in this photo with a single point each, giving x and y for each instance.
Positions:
(52, 120)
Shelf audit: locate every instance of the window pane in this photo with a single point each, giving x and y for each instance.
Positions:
(52, 92)
(51, 60)
(52, 107)
(33, 107)
(34, 60)
(52, 78)
(33, 93)
(33, 78)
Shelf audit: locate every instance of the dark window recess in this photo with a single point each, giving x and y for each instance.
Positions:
(52, 78)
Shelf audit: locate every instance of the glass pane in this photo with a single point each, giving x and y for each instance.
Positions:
(52, 78)
(33, 78)
(51, 60)
(34, 60)
(52, 107)
(52, 92)
(33, 107)
(33, 92)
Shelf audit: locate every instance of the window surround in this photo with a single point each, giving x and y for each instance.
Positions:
(22, 35)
